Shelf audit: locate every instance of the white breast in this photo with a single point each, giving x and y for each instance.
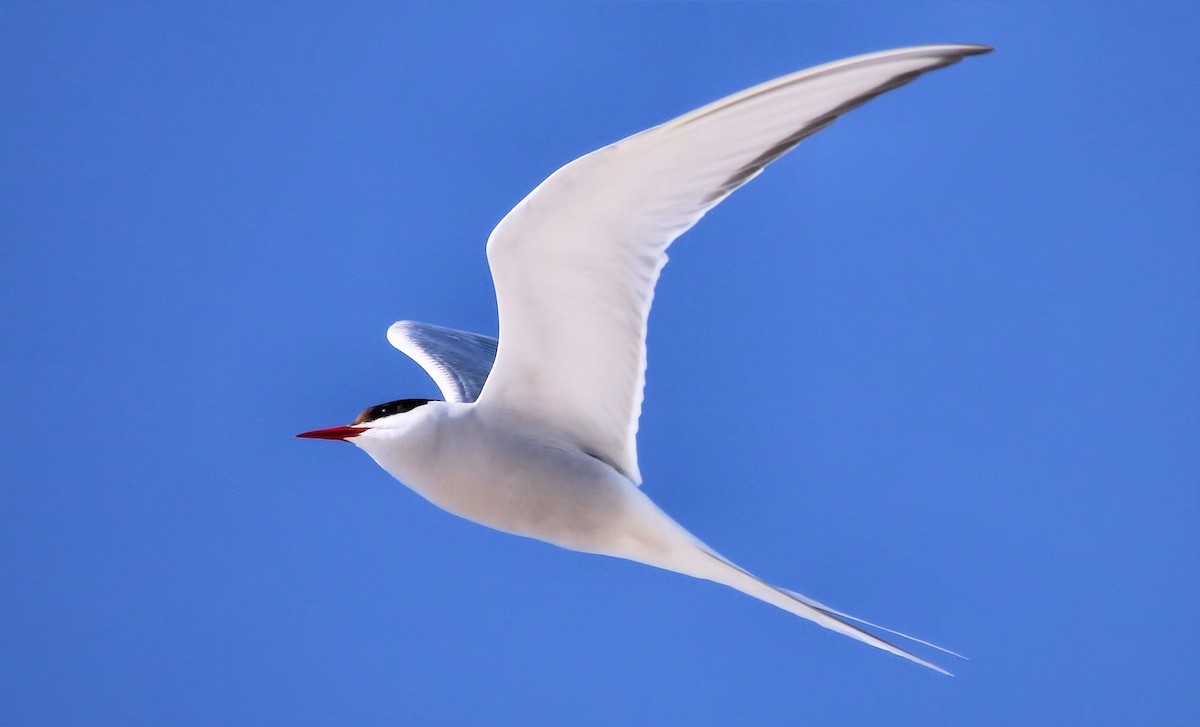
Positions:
(499, 471)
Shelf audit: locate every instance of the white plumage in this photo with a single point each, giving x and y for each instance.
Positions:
(547, 446)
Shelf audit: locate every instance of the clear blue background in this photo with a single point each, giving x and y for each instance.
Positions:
(938, 368)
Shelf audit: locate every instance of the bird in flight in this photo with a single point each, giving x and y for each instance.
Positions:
(537, 432)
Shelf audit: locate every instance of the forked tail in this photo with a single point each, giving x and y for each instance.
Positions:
(722, 571)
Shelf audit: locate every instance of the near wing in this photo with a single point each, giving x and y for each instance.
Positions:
(457, 360)
(576, 261)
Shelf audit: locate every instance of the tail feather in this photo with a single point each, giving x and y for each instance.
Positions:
(726, 573)
(834, 612)
(655, 539)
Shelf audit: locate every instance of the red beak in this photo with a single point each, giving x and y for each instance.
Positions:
(342, 433)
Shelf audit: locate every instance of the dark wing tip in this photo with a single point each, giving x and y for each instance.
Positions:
(973, 49)
(746, 172)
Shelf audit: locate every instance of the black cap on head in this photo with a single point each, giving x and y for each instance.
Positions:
(380, 411)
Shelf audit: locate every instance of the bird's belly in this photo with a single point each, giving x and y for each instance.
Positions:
(553, 494)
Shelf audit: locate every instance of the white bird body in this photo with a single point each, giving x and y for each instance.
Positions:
(539, 486)
(537, 433)
(514, 476)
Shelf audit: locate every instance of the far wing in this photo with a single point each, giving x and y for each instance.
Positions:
(457, 361)
(576, 261)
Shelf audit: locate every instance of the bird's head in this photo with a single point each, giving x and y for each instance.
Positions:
(382, 421)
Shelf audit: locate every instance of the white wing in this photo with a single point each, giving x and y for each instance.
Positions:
(457, 361)
(576, 261)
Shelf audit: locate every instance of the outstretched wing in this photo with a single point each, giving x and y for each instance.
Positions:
(458, 361)
(576, 261)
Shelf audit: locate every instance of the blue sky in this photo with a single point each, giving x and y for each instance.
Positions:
(938, 367)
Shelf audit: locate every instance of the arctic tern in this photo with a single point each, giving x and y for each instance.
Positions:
(536, 435)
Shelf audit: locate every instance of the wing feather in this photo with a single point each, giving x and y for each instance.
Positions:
(457, 361)
(576, 261)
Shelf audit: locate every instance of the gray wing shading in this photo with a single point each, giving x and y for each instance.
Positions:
(576, 262)
(458, 361)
